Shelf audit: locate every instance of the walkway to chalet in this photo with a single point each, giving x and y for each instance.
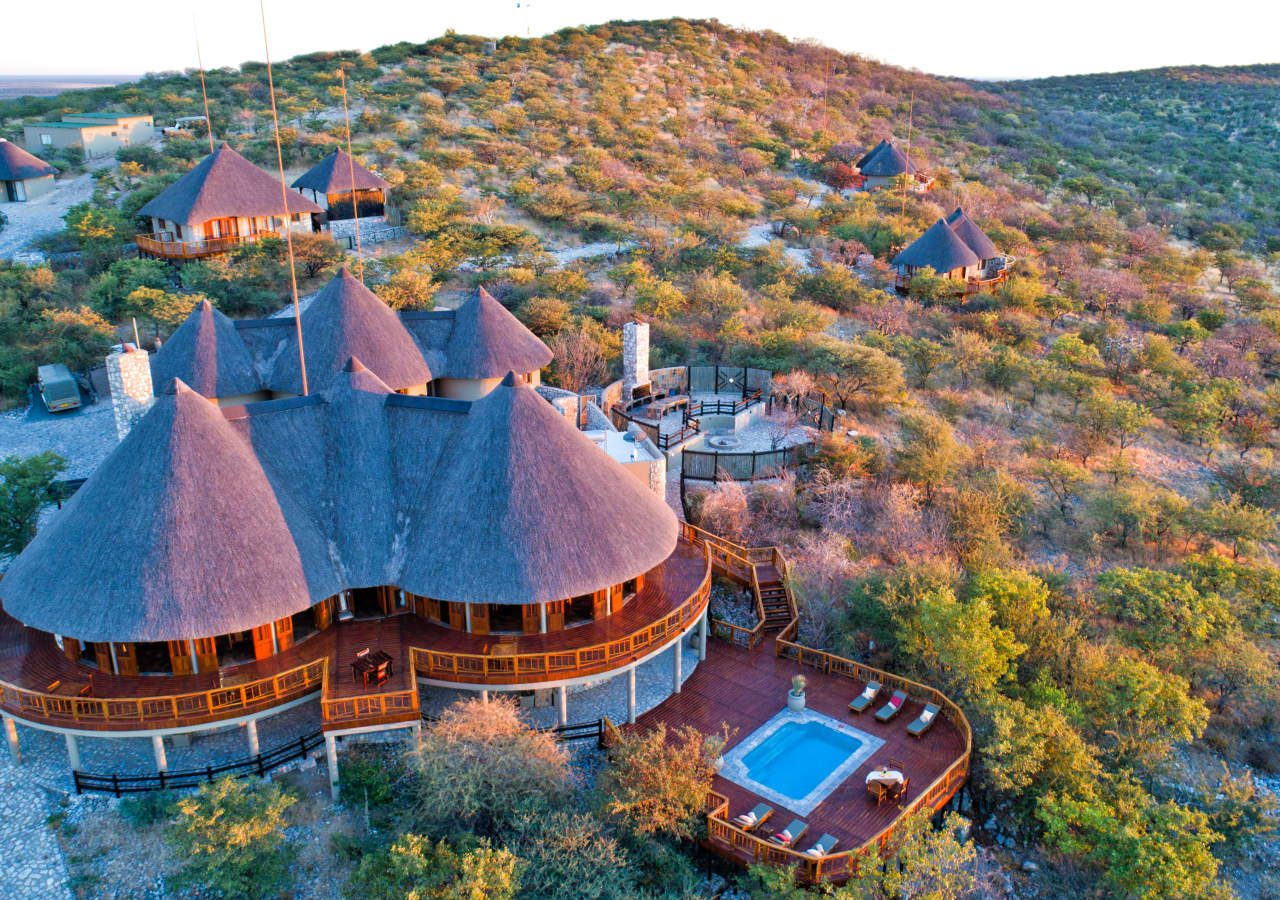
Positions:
(745, 688)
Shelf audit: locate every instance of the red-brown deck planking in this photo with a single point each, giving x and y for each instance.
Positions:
(746, 688)
(31, 660)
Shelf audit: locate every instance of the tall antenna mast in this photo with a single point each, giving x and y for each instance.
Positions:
(351, 169)
(284, 201)
(911, 109)
(208, 122)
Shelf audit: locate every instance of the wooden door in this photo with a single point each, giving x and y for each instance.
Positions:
(262, 644)
(600, 604)
(457, 617)
(531, 618)
(479, 618)
(555, 615)
(207, 654)
(616, 603)
(127, 659)
(103, 651)
(180, 658)
(324, 614)
(71, 649)
(284, 633)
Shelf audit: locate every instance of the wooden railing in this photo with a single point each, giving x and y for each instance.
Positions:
(169, 711)
(720, 830)
(163, 244)
(382, 708)
(488, 668)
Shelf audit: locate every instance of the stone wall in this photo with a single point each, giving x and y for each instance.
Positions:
(129, 376)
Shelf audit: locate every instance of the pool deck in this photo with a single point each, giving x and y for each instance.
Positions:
(745, 688)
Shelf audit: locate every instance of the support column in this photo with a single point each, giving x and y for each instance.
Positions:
(631, 695)
(703, 628)
(251, 732)
(73, 752)
(542, 613)
(677, 675)
(275, 639)
(11, 734)
(562, 703)
(466, 612)
(484, 696)
(416, 729)
(195, 659)
(162, 761)
(331, 754)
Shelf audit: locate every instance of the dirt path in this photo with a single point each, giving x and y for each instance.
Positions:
(43, 215)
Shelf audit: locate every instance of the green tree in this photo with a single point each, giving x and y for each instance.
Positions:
(1161, 609)
(415, 867)
(658, 783)
(25, 484)
(929, 453)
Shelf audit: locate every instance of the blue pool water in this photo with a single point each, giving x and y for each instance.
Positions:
(798, 756)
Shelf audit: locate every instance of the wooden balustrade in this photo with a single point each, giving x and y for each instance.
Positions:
(163, 244)
(382, 708)
(174, 710)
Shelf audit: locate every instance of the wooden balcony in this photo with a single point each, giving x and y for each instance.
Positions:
(163, 245)
(34, 674)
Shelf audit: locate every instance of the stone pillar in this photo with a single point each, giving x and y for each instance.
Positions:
(157, 746)
(331, 755)
(631, 695)
(562, 704)
(677, 676)
(73, 752)
(484, 696)
(416, 729)
(703, 627)
(129, 375)
(251, 732)
(635, 357)
(11, 734)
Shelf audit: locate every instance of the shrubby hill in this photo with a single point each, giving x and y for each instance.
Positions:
(1055, 499)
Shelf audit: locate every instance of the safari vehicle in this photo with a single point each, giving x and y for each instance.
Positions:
(58, 387)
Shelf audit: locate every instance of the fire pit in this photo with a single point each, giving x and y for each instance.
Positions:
(723, 442)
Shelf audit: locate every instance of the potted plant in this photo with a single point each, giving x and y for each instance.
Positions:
(795, 696)
(714, 749)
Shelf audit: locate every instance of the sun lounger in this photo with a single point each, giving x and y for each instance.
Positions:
(823, 846)
(893, 707)
(791, 834)
(863, 701)
(752, 820)
(924, 721)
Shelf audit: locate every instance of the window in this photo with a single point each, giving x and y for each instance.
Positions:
(46, 140)
(115, 134)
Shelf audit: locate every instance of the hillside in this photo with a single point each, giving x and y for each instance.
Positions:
(1055, 498)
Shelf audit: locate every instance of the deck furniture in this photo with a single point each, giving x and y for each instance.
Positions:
(823, 845)
(863, 701)
(754, 818)
(70, 688)
(371, 665)
(893, 707)
(883, 783)
(789, 835)
(924, 721)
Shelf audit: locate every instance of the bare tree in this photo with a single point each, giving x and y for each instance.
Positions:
(578, 360)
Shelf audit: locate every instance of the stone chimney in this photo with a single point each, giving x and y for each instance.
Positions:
(635, 357)
(129, 374)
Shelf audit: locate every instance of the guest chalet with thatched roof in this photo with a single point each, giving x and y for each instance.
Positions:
(955, 248)
(338, 183)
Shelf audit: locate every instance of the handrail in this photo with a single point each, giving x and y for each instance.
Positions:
(169, 710)
(555, 664)
(383, 707)
(164, 244)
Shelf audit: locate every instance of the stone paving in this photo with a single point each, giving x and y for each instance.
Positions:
(43, 215)
(82, 437)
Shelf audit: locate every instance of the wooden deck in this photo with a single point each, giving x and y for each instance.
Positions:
(745, 687)
(673, 596)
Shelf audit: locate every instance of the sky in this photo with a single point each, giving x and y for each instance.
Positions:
(972, 39)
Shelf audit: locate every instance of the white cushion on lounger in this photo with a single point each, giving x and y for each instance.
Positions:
(926, 716)
(869, 692)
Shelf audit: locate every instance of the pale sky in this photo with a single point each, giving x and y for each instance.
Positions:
(968, 38)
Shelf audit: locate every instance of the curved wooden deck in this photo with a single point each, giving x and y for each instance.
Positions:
(673, 597)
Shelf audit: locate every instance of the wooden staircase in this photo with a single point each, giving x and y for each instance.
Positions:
(772, 599)
(764, 570)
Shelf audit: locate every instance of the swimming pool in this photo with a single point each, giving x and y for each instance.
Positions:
(797, 759)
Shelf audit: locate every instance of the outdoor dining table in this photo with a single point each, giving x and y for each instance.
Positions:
(376, 665)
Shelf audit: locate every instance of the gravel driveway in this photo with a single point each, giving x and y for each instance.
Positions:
(43, 215)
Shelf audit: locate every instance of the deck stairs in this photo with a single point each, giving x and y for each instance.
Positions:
(763, 569)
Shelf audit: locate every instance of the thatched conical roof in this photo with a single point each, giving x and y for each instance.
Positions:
(487, 341)
(969, 232)
(17, 164)
(178, 534)
(208, 354)
(347, 319)
(332, 175)
(885, 161)
(939, 248)
(223, 184)
(510, 503)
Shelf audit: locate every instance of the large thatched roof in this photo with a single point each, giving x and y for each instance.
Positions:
(208, 355)
(487, 341)
(332, 175)
(969, 232)
(17, 164)
(885, 161)
(177, 534)
(347, 319)
(939, 248)
(203, 522)
(223, 184)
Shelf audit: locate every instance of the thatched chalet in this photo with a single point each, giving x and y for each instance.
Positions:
(22, 176)
(342, 187)
(957, 249)
(221, 203)
(884, 164)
